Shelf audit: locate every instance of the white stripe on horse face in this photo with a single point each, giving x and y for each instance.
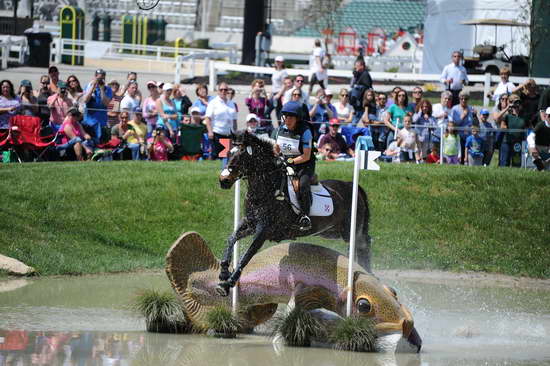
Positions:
(225, 173)
(249, 150)
(234, 150)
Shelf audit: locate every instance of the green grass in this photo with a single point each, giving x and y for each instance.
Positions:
(75, 218)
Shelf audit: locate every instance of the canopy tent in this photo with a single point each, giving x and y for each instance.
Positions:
(448, 27)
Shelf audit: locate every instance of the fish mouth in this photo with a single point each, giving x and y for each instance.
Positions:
(406, 327)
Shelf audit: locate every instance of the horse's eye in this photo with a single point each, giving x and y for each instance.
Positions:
(364, 306)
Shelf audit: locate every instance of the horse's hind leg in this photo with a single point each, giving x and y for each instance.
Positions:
(244, 229)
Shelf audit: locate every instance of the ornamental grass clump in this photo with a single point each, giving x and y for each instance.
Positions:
(222, 323)
(298, 328)
(162, 311)
(354, 334)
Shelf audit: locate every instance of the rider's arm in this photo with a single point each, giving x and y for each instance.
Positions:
(307, 144)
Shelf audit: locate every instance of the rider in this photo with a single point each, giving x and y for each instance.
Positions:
(295, 143)
(540, 149)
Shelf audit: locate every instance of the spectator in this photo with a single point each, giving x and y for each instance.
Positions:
(29, 103)
(360, 83)
(221, 119)
(377, 127)
(74, 89)
(451, 145)
(487, 133)
(257, 103)
(181, 101)
(530, 97)
(396, 114)
(407, 140)
(122, 131)
(130, 79)
(203, 98)
(131, 100)
(541, 149)
(433, 157)
(277, 85)
(168, 115)
(318, 71)
(97, 97)
(137, 134)
(369, 106)
(159, 146)
(287, 85)
(441, 112)
(393, 96)
(425, 126)
(544, 103)
(344, 110)
(113, 109)
(42, 96)
(417, 94)
(72, 134)
(454, 77)
(53, 73)
(332, 145)
(463, 116)
(504, 86)
(510, 147)
(59, 104)
(149, 107)
(9, 104)
(231, 96)
(500, 106)
(196, 117)
(191, 136)
(296, 96)
(474, 148)
(298, 84)
(322, 110)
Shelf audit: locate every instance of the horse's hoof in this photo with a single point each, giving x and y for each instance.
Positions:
(223, 289)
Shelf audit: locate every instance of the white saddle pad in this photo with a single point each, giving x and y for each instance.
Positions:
(321, 201)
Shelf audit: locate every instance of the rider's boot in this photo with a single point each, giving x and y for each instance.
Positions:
(305, 204)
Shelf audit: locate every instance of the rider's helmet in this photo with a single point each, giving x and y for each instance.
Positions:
(292, 109)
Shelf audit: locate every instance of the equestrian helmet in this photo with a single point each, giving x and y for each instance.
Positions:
(291, 109)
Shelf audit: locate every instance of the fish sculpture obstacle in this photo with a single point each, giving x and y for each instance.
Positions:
(311, 276)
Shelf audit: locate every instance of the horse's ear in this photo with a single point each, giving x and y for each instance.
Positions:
(232, 136)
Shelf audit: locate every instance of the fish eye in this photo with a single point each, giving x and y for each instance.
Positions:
(364, 306)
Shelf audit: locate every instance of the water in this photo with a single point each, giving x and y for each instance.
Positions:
(86, 321)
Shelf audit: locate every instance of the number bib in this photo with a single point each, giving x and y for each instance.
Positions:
(290, 147)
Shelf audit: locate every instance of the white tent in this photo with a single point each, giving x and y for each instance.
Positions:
(444, 33)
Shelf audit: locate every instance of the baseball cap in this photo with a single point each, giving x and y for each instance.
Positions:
(334, 122)
(251, 116)
(167, 86)
(100, 71)
(328, 92)
(138, 110)
(151, 82)
(26, 83)
(61, 84)
(280, 58)
(194, 110)
(484, 111)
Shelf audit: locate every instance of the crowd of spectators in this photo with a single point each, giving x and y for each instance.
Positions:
(110, 120)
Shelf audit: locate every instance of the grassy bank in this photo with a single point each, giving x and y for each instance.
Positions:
(73, 218)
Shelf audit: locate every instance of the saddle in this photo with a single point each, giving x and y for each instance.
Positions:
(321, 201)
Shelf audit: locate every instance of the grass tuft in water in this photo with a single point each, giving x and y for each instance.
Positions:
(162, 311)
(222, 323)
(298, 327)
(355, 334)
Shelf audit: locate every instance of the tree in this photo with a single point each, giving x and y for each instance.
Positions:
(323, 15)
(535, 13)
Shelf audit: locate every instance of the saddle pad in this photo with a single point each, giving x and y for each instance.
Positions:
(321, 201)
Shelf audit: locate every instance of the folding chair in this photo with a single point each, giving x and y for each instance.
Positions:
(27, 137)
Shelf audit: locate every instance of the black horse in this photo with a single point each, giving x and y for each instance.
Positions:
(269, 218)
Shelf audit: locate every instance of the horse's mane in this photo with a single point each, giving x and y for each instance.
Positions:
(265, 143)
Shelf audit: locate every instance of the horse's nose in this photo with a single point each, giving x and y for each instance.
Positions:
(225, 183)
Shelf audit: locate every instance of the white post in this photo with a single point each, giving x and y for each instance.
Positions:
(212, 77)
(486, 89)
(177, 74)
(441, 132)
(236, 219)
(352, 231)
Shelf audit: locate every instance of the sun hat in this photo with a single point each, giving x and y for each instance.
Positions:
(280, 58)
(168, 86)
(194, 110)
(484, 111)
(251, 116)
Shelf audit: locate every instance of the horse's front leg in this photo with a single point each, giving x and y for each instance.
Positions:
(259, 239)
(243, 230)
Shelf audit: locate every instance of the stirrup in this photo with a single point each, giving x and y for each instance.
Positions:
(305, 223)
(279, 195)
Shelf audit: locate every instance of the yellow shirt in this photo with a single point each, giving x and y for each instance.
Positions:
(140, 130)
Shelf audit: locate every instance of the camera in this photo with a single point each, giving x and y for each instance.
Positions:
(158, 131)
(515, 104)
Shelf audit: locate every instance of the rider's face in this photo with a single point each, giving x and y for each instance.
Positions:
(290, 121)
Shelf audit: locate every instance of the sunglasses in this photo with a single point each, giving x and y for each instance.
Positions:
(151, 86)
(417, 92)
(223, 89)
(44, 82)
(344, 95)
(296, 95)
(401, 95)
(299, 81)
(72, 81)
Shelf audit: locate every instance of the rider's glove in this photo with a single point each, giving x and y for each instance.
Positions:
(290, 161)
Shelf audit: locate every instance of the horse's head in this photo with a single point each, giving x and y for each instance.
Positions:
(249, 155)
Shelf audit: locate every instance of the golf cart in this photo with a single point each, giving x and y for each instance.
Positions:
(490, 57)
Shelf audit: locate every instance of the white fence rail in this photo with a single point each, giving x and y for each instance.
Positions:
(9, 45)
(486, 79)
